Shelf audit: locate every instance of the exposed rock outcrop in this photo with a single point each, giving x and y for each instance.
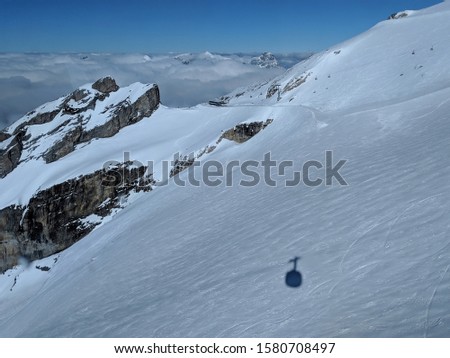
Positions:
(295, 82)
(219, 102)
(105, 85)
(125, 114)
(9, 230)
(398, 15)
(244, 131)
(274, 88)
(4, 136)
(55, 218)
(64, 146)
(37, 118)
(10, 156)
(180, 164)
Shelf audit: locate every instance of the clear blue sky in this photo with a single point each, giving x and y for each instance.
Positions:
(188, 25)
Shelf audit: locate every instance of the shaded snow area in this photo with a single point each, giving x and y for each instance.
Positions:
(211, 261)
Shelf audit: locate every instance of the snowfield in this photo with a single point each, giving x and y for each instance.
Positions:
(210, 261)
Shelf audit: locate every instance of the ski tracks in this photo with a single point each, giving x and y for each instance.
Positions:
(430, 302)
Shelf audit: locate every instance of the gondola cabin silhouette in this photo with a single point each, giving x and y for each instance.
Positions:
(294, 277)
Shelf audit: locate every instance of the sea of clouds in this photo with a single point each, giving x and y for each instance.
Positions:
(29, 80)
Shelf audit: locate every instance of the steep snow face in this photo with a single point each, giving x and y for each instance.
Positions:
(394, 61)
(210, 261)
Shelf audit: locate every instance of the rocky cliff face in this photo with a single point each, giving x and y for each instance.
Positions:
(57, 217)
(244, 131)
(11, 152)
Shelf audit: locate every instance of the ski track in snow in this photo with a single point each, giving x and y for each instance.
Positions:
(430, 302)
(341, 264)
(31, 298)
(386, 242)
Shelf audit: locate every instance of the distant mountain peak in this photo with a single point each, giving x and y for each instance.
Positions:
(265, 60)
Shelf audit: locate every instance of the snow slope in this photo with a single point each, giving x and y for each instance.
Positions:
(394, 61)
(210, 261)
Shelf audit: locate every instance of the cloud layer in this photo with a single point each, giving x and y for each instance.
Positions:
(29, 80)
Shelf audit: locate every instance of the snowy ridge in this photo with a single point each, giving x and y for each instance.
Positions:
(374, 254)
(367, 71)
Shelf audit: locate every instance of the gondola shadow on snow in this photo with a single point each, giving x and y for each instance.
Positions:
(294, 277)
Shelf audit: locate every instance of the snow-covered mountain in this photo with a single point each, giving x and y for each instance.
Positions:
(266, 60)
(205, 57)
(148, 259)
